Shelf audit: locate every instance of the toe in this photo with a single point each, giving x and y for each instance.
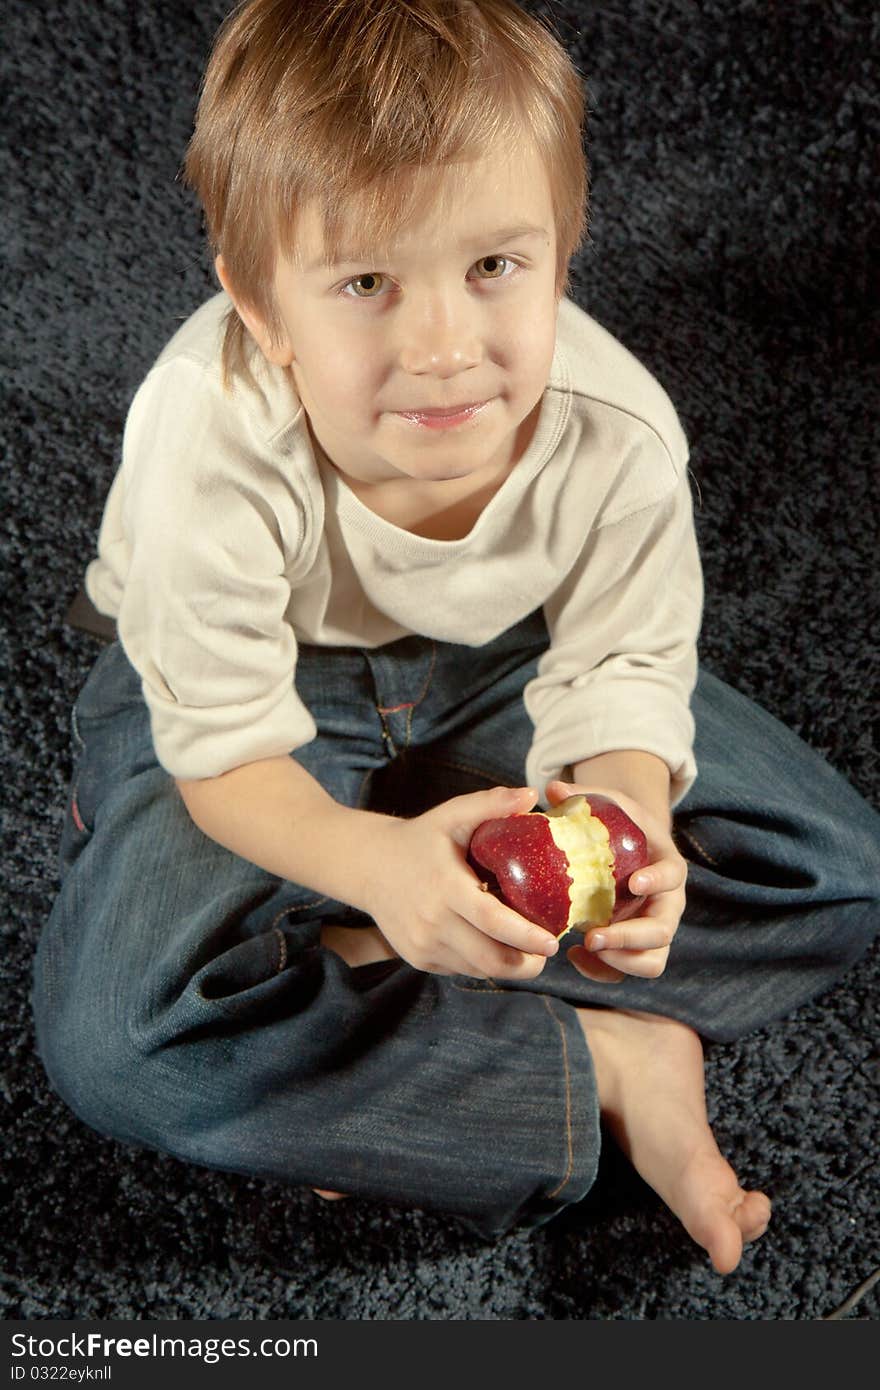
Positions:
(725, 1249)
(718, 1231)
(753, 1215)
(746, 1219)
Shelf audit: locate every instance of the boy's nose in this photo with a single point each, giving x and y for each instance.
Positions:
(441, 343)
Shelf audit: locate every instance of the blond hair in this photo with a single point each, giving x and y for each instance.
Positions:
(344, 102)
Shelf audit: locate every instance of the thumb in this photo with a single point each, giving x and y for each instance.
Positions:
(463, 814)
(557, 791)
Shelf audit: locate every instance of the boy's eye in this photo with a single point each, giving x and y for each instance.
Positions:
(371, 281)
(495, 265)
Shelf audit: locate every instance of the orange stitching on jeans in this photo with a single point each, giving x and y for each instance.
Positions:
(424, 689)
(686, 835)
(411, 704)
(300, 907)
(568, 1135)
(282, 949)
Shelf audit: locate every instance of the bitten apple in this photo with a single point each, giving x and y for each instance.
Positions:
(566, 867)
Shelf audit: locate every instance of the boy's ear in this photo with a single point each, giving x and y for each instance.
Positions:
(280, 354)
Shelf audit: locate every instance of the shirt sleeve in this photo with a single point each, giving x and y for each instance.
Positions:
(197, 531)
(621, 664)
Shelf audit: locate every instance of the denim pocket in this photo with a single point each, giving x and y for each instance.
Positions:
(259, 980)
(230, 978)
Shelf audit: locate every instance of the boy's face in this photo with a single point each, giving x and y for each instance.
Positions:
(456, 314)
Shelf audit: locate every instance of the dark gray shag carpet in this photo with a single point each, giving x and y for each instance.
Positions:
(734, 201)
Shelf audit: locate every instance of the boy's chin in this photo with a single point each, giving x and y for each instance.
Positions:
(444, 472)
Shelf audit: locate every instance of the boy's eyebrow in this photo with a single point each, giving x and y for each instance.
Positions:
(502, 234)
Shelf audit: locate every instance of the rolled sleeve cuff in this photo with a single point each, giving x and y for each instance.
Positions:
(196, 742)
(641, 716)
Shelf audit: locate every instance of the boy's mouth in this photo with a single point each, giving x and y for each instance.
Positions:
(445, 417)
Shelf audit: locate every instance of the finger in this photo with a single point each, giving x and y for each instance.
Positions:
(500, 923)
(663, 876)
(489, 958)
(461, 815)
(638, 934)
(557, 791)
(647, 965)
(594, 968)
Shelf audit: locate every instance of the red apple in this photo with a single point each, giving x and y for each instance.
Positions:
(566, 867)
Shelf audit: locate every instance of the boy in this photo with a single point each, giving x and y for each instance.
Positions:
(399, 528)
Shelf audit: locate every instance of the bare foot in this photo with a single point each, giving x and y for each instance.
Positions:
(649, 1071)
(357, 946)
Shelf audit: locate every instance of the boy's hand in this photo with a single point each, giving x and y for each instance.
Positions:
(640, 945)
(427, 901)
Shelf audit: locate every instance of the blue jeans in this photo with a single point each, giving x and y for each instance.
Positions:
(184, 1002)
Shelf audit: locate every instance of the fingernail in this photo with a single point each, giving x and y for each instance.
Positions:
(544, 945)
(642, 882)
(597, 942)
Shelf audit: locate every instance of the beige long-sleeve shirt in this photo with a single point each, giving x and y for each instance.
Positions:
(225, 542)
